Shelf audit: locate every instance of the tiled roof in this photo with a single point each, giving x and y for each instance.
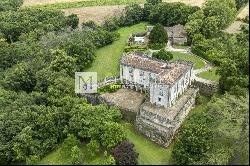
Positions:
(170, 76)
(140, 61)
(166, 72)
(176, 31)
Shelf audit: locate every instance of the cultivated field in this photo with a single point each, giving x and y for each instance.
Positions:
(97, 13)
(43, 2)
(188, 2)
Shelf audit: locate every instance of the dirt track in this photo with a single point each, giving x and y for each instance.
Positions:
(244, 12)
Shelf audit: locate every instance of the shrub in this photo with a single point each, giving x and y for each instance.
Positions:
(109, 161)
(133, 48)
(109, 88)
(70, 142)
(72, 20)
(93, 148)
(157, 46)
(163, 55)
(75, 155)
(125, 154)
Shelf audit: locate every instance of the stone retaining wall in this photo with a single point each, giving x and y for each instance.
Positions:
(159, 128)
(96, 99)
(207, 89)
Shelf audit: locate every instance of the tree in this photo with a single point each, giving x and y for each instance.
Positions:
(170, 14)
(133, 14)
(158, 36)
(124, 154)
(223, 10)
(230, 127)
(148, 6)
(24, 144)
(112, 134)
(240, 3)
(93, 148)
(14, 23)
(6, 5)
(194, 140)
(20, 77)
(111, 24)
(72, 20)
(214, 16)
(62, 62)
(163, 55)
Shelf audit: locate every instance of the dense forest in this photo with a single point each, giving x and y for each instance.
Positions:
(41, 49)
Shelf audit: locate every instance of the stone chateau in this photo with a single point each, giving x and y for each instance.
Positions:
(165, 81)
(160, 114)
(171, 96)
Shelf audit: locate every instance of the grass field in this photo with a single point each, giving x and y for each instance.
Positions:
(107, 58)
(55, 158)
(210, 75)
(198, 63)
(149, 152)
(84, 3)
(65, 4)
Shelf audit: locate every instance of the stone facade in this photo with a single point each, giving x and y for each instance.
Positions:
(165, 81)
(161, 124)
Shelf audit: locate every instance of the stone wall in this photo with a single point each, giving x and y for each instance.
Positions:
(95, 99)
(206, 88)
(161, 128)
(127, 115)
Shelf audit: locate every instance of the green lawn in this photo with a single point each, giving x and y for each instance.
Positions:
(198, 63)
(180, 46)
(210, 75)
(107, 58)
(149, 152)
(55, 158)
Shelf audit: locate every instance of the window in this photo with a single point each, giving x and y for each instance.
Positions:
(131, 70)
(161, 90)
(159, 99)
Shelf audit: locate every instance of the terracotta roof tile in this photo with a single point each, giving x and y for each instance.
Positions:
(166, 72)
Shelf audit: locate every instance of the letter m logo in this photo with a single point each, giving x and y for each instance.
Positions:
(85, 82)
